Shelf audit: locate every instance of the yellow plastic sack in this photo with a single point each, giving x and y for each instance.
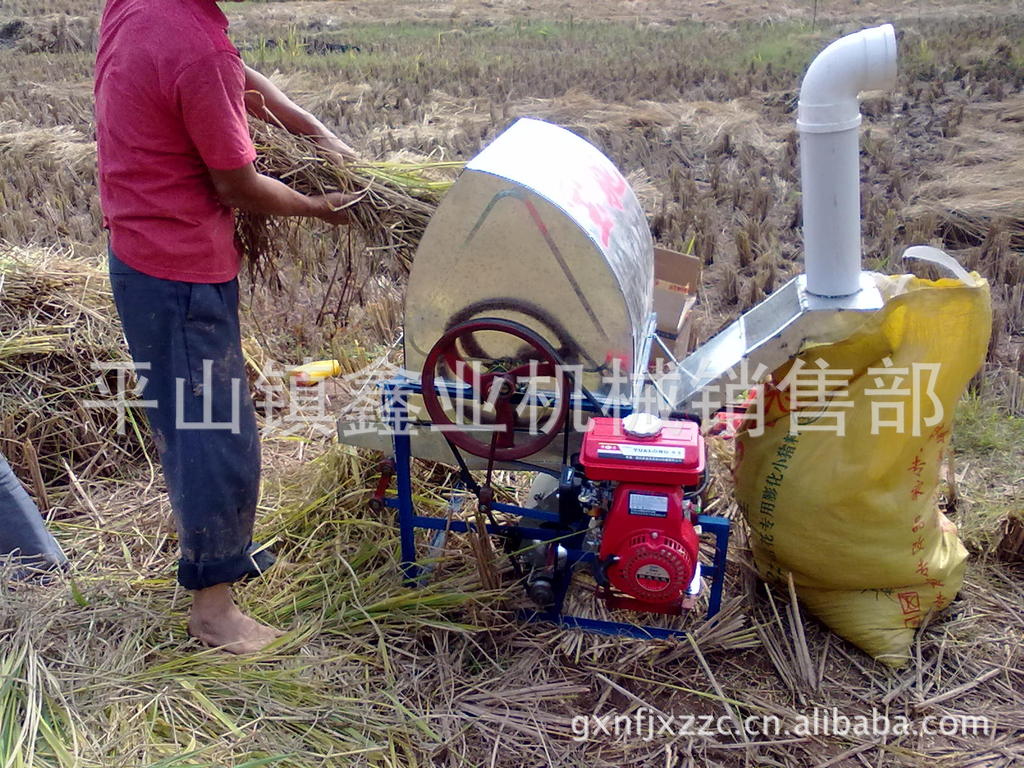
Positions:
(854, 517)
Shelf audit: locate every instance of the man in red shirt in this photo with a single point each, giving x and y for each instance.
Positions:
(175, 157)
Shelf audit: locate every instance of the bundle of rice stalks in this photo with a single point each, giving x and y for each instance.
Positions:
(394, 202)
(58, 328)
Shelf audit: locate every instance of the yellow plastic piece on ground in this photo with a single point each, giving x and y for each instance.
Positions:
(854, 518)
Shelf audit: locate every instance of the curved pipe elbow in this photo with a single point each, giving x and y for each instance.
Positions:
(863, 61)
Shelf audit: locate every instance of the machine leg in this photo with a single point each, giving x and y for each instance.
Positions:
(396, 415)
(406, 514)
(721, 552)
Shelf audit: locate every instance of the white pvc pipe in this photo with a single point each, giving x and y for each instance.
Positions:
(828, 121)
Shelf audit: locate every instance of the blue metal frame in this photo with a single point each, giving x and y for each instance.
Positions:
(396, 392)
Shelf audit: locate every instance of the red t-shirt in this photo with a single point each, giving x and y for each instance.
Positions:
(169, 105)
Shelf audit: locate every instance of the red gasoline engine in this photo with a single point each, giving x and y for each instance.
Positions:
(647, 475)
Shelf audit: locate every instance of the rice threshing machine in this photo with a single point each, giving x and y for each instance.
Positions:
(528, 331)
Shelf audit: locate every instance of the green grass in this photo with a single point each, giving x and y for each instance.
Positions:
(631, 61)
(983, 429)
(989, 448)
(641, 61)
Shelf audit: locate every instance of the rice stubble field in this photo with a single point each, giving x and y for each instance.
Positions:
(696, 103)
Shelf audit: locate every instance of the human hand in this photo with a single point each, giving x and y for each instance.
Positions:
(334, 207)
(337, 150)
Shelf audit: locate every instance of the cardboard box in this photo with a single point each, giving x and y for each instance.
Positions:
(676, 279)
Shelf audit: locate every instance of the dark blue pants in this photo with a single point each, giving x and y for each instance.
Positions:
(186, 343)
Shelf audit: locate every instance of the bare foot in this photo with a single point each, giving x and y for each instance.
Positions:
(216, 621)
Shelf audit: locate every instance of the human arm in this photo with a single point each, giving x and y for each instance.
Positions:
(247, 190)
(267, 102)
(209, 93)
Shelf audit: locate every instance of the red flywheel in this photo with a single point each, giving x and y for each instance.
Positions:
(518, 417)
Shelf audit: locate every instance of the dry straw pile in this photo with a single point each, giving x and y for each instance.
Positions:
(98, 670)
(47, 185)
(57, 327)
